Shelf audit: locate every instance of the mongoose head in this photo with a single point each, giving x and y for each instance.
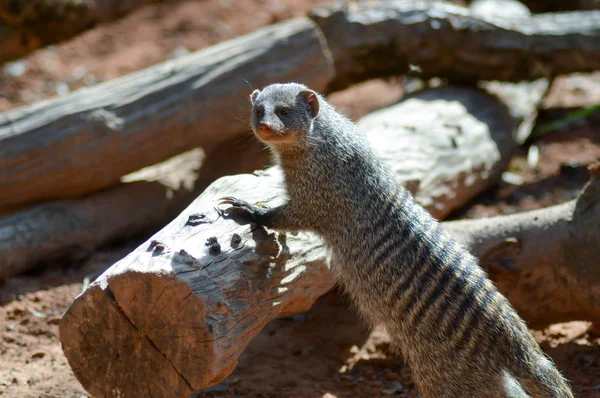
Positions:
(282, 114)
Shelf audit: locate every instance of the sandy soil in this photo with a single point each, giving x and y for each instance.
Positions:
(328, 351)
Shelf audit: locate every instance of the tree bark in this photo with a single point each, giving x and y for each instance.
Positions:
(545, 261)
(70, 229)
(431, 39)
(27, 25)
(182, 307)
(86, 141)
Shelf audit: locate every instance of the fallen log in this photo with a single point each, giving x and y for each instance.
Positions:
(70, 229)
(85, 141)
(182, 307)
(89, 139)
(545, 261)
(27, 25)
(430, 38)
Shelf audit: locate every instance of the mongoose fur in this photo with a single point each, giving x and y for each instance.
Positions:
(460, 336)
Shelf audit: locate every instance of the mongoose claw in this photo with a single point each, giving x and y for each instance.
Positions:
(239, 209)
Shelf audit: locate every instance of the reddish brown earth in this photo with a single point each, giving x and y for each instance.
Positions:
(328, 351)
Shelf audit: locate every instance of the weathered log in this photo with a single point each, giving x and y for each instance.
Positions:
(71, 229)
(182, 307)
(27, 25)
(429, 39)
(87, 140)
(117, 127)
(545, 261)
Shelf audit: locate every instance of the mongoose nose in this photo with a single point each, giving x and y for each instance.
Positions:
(264, 127)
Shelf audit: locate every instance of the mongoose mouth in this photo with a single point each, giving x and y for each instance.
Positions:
(273, 136)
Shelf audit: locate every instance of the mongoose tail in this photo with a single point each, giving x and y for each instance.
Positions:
(401, 268)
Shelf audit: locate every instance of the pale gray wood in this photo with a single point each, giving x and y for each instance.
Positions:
(66, 230)
(432, 38)
(87, 140)
(62, 230)
(182, 307)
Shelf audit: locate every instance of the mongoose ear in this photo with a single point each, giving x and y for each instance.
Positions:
(254, 95)
(311, 98)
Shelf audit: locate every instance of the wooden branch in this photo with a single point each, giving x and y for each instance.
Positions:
(71, 229)
(376, 39)
(182, 307)
(27, 25)
(545, 261)
(87, 140)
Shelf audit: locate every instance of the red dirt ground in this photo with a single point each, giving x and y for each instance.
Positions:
(327, 352)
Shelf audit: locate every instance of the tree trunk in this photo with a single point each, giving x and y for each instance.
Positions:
(429, 39)
(86, 141)
(71, 229)
(182, 307)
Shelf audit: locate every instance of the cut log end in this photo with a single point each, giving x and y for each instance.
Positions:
(135, 346)
(174, 317)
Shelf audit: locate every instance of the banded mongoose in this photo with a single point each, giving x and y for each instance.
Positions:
(460, 336)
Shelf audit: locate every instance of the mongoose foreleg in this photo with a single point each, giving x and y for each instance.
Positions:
(276, 218)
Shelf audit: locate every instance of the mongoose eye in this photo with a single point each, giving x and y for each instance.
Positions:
(284, 111)
(260, 112)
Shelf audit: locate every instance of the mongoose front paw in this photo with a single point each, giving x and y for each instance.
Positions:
(240, 209)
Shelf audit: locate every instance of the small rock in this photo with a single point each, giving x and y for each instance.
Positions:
(89, 79)
(36, 313)
(78, 73)
(38, 355)
(15, 69)
(512, 178)
(533, 156)
(178, 52)
(61, 88)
